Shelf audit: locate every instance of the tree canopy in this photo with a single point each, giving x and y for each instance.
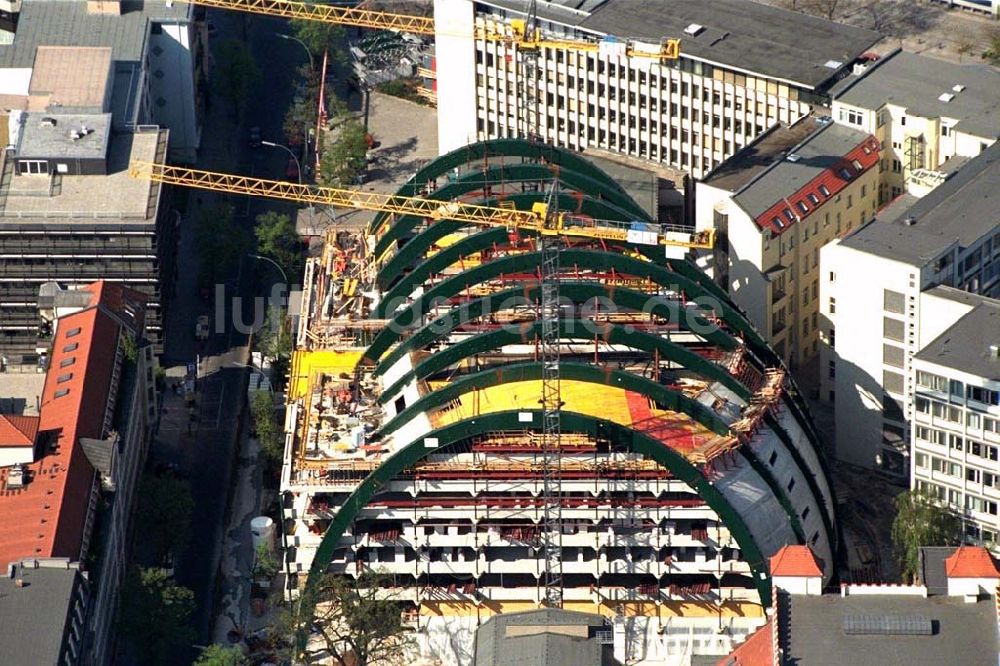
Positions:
(165, 506)
(236, 72)
(277, 239)
(346, 158)
(358, 621)
(921, 521)
(221, 244)
(266, 425)
(219, 655)
(155, 614)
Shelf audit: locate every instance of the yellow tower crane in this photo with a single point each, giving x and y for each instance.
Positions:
(520, 33)
(537, 219)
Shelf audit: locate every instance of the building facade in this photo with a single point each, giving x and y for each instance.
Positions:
(955, 434)
(774, 205)
(735, 76)
(414, 428)
(914, 267)
(90, 439)
(927, 113)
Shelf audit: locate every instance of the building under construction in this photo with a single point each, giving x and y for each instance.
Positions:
(419, 444)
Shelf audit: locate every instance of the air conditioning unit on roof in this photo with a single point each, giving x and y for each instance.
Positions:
(693, 29)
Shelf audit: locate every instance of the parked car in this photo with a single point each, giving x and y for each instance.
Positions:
(201, 328)
(255, 137)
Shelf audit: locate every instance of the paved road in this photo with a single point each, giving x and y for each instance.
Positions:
(206, 451)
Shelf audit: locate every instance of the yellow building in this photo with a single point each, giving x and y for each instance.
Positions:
(774, 205)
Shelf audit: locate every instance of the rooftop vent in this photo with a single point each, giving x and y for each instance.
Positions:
(793, 157)
(833, 64)
(995, 351)
(15, 477)
(909, 220)
(694, 29)
(48, 121)
(945, 97)
(859, 68)
(958, 87)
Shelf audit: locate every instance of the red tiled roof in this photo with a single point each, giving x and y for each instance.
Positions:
(46, 519)
(795, 561)
(971, 562)
(757, 650)
(865, 153)
(18, 431)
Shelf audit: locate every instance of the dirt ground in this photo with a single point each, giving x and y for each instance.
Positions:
(919, 26)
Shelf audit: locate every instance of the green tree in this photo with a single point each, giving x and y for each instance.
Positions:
(920, 521)
(155, 614)
(265, 564)
(274, 339)
(991, 34)
(346, 158)
(357, 620)
(236, 73)
(266, 425)
(218, 655)
(319, 37)
(277, 239)
(165, 505)
(221, 244)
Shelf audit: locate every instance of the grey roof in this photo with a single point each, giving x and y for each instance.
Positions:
(962, 209)
(966, 345)
(67, 23)
(822, 150)
(740, 34)
(932, 574)
(964, 633)
(494, 647)
(44, 140)
(915, 82)
(100, 453)
(33, 618)
(753, 159)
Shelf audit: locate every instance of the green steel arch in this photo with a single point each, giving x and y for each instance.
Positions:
(597, 188)
(566, 202)
(582, 372)
(575, 292)
(593, 374)
(571, 422)
(578, 329)
(498, 148)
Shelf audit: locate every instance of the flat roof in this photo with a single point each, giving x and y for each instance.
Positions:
(33, 617)
(71, 136)
(964, 633)
(503, 641)
(70, 78)
(965, 346)
(68, 23)
(113, 198)
(916, 82)
(962, 209)
(823, 150)
(739, 34)
(754, 158)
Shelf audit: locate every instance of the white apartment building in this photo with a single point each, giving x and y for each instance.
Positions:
(925, 111)
(884, 295)
(956, 420)
(773, 206)
(743, 67)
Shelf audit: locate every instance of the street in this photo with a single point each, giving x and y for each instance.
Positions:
(203, 445)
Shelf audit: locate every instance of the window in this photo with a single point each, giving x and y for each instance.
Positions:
(892, 381)
(932, 381)
(73, 332)
(38, 167)
(65, 378)
(832, 305)
(814, 199)
(824, 190)
(71, 347)
(983, 395)
(851, 116)
(922, 405)
(60, 393)
(893, 329)
(921, 460)
(892, 356)
(945, 130)
(66, 362)
(791, 484)
(802, 206)
(805, 513)
(972, 475)
(845, 173)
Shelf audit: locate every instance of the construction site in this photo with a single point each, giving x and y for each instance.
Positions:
(516, 390)
(512, 391)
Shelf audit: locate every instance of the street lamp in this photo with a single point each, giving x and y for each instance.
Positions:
(273, 263)
(298, 166)
(281, 35)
